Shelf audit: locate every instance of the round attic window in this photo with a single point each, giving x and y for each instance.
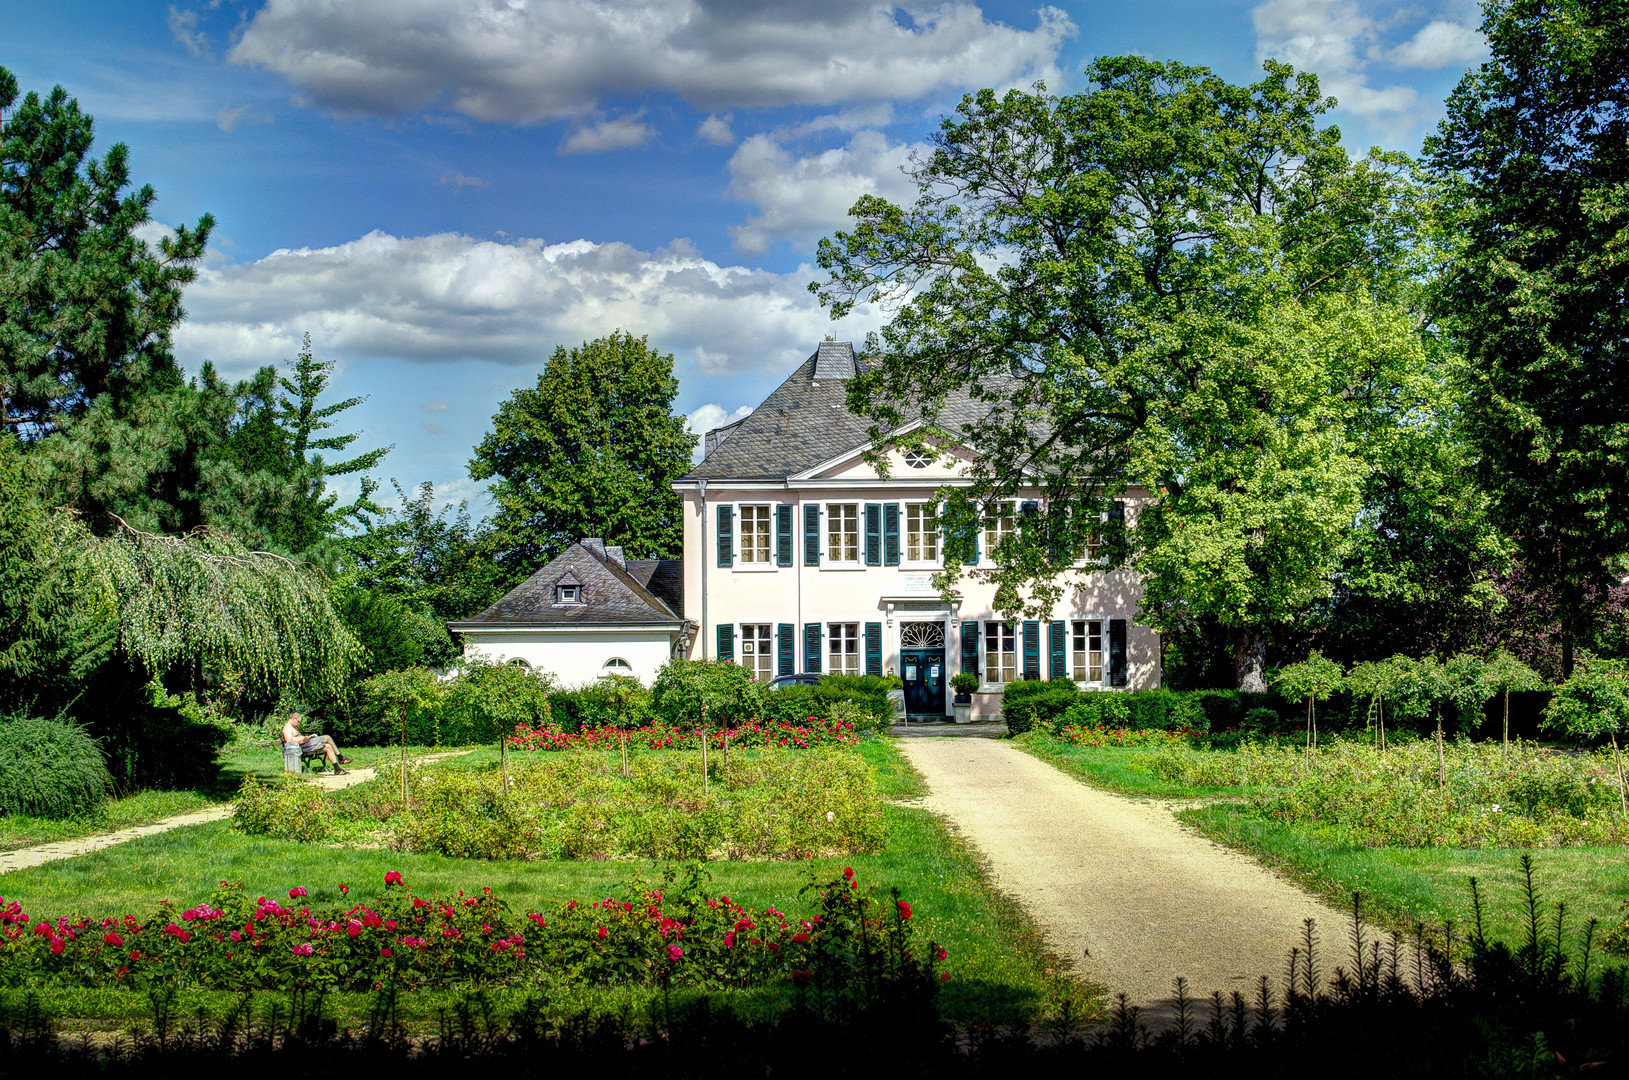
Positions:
(916, 459)
(618, 664)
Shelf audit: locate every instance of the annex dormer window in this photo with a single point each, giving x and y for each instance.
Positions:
(568, 594)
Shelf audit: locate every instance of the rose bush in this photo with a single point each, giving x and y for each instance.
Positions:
(658, 736)
(671, 934)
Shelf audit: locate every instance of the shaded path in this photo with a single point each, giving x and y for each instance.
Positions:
(22, 858)
(1117, 885)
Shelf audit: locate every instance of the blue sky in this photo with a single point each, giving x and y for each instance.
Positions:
(441, 191)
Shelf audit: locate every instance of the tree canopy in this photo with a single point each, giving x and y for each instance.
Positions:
(1165, 281)
(1533, 155)
(590, 450)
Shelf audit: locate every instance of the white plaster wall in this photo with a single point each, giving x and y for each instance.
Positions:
(802, 594)
(577, 657)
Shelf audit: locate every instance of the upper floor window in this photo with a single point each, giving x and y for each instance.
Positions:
(843, 532)
(921, 532)
(568, 594)
(755, 535)
(1000, 524)
(618, 666)
(1000, 652)
(1088, 651)
(918, 459)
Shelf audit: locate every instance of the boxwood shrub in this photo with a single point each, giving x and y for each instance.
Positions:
(50, 768)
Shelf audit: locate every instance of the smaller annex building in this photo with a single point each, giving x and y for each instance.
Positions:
(589, 612)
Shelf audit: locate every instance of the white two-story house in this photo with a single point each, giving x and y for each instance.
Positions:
(800, 557)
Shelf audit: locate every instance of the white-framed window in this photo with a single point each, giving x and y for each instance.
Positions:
(843, 532)
(1000, 652)
(618, 666)
(921, 532)
(918, 459)
(515, 661)
(755, 530)
(1001, 523)
(843, 648)
(568, 594)
(758, 650)
(1087, 654)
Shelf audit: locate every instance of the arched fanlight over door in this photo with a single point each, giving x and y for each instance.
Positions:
(922, 635)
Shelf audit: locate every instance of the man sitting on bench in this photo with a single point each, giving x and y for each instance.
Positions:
(312, 745)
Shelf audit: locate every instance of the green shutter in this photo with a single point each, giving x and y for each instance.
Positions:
(873, 534)
(972, 542)
(890, 534)
(726, 641)
(873, 648)
(1032, 649)
(1029, 508)
(783, 535)
(970, 648)
(726, 536)
(811, 534)
(1117, 652)
(786, 649)
(811, 648)
(1059, 668)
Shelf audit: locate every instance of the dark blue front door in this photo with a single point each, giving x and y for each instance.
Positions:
(923, 672)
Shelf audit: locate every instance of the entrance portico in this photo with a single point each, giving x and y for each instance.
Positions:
(920, 630)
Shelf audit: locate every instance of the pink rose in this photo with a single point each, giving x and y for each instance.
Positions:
(296, 892)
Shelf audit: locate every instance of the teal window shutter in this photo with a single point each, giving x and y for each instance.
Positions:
(783, 535)
(970, 648)
(811, 534)
(726, 536)
(786, 647)
(726, 641)
(973, 544)
(873, 534)
(1032, 649)
(1117, 652)
(890, 534)
(1058, 668)
(873, 648)
(811, 648)
(1029, 508)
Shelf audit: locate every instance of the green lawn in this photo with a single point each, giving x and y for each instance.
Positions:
(1397, 883)
(1000, 968)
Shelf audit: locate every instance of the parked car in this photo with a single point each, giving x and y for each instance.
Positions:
(794, 680)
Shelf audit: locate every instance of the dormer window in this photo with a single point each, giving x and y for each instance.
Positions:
(916, 459)
(568, 594)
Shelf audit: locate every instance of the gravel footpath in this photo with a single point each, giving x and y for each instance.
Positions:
(1117, 885)
(22, 858)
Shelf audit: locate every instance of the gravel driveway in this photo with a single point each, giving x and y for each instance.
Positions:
(1118, 886)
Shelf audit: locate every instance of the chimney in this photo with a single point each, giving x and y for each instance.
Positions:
(614, 553)
(594, 544)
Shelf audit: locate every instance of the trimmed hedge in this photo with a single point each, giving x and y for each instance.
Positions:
(1055, 704)
(796, 703)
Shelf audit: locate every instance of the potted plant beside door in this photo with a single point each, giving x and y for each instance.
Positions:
(964, 685)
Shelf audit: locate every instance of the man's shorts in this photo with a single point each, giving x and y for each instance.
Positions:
(313, 744)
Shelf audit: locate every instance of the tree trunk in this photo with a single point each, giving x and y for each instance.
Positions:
(1507, 719)
(1250, 659)
(1566, 646)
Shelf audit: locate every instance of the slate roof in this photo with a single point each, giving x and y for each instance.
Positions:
(806, 421)
(615, 592)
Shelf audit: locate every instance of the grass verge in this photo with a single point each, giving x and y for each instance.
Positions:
(1109, 767)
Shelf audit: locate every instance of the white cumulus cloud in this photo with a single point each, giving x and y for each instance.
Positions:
(708, 417)
(716, 130)
(800, 198)
(522, 61)
(1440, 43)
(449, 297)
(621, 133)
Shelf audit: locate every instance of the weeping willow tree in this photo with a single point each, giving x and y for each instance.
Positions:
(203, 602)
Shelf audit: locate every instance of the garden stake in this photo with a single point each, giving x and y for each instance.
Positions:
(1442, 770)
(1623, 800)
(404, 757)
(624, 753)
(702, 731)
(1507, 720)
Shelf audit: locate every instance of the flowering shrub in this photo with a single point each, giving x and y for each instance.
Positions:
(673, 934)
(659, 736)
(1106, 736)
(1526, 797)
(773, 803)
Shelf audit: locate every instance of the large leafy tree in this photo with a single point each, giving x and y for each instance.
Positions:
(1169, 281)
(86, 305)
(1534, 155)
(590, 450)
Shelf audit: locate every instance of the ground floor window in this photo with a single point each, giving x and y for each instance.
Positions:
(758, 651)
(1000, 652)
(844, 648)
(1088, 652)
